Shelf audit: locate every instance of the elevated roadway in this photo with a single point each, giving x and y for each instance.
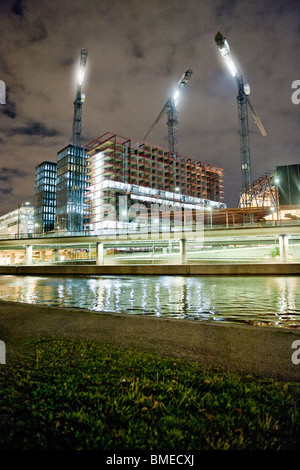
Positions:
(254, 233)
(242, 232)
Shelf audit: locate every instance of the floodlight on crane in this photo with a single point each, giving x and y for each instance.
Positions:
(243, 101)
(172, 113)
(79, 100)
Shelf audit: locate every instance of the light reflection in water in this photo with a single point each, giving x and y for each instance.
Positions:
(265, 300)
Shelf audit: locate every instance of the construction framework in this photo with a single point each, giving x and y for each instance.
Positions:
(115, 166)
(264, 193)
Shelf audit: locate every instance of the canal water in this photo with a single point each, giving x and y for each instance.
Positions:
(259, 300)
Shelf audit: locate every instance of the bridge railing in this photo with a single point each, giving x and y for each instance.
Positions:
(108, 232)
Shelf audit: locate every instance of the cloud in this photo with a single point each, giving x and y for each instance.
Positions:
(7, 173)
(18, 7)
(9, 109)
(38, 32)
(138, 51)
(8, 178)
(34, 129)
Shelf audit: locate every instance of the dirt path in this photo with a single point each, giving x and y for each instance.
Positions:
(245, 349)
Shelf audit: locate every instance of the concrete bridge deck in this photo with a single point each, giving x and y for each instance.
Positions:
(255, 230)
(180, 263)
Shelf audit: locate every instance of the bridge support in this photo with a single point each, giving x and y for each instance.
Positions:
(28, 254)
(55, 254)
(99, 253)
(284, 248)
(182, 250)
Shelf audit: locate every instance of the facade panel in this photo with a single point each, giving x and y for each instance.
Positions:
(288, 184)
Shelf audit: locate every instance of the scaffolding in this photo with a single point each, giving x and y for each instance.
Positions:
(263, 193)
(143, 167)
(278, 191)
(113, 157)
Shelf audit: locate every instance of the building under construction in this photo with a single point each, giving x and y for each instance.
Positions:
(278, 190)
(92, 177)
(263, 192)
(146, 174)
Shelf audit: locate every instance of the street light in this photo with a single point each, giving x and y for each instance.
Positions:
(276, 184)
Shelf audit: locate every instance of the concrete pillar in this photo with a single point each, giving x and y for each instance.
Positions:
(182, 249)
(42, 256)
(99, 253)
(28, 254)
(55, 254)
(284, 248)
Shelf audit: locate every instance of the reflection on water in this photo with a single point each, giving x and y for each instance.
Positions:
(269, 300)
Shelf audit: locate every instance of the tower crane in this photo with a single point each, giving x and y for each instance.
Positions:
(243, 101)
(172, 114)
(79, 100)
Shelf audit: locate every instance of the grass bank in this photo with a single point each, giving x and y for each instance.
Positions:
(64, 393)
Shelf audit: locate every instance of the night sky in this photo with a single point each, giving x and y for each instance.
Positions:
(137, 52)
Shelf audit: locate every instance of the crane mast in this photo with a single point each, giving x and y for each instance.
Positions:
(242, 102)
(172, 123)
(79, 100)
(172, 115)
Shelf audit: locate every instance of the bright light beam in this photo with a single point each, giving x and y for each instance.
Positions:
(176, 94)
(230, 65)
(80, 76)
(224, 49)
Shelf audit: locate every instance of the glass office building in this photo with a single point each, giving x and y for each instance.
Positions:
(70, 189)
(45, 197)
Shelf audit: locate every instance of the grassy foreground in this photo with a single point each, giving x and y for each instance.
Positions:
(73, 394)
